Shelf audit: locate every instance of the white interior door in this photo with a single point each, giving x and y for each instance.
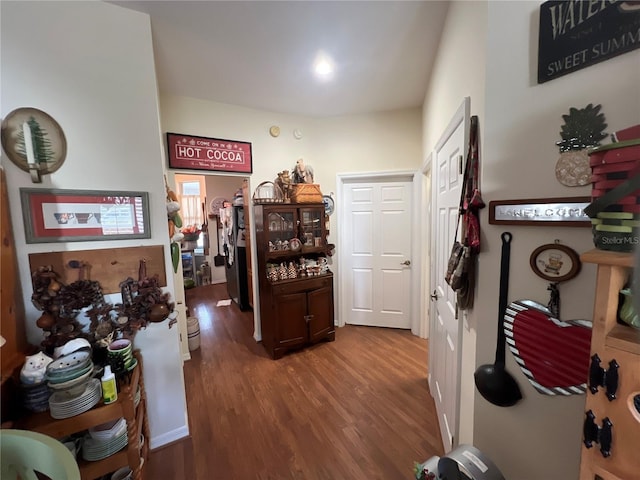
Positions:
(445, 333)
(377, 274)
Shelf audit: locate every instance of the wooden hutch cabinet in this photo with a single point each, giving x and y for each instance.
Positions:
(295, 284)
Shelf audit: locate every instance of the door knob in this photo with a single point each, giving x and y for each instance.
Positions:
(434, 295)
(406, 262)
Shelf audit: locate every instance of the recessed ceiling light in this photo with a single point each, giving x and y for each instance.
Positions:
(323, 66)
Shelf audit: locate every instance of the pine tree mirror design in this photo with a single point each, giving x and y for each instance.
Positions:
(583, 128)
(33, 141)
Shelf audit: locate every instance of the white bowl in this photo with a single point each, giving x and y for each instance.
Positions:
(72, 346)
(123, 473)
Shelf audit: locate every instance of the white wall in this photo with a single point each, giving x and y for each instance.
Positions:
(522, 124)
(519, 124)
(389, 141)
(90, 66)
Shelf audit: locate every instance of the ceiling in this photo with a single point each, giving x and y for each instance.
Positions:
(259, 54)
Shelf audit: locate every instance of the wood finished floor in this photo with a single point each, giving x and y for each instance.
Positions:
(358, 408)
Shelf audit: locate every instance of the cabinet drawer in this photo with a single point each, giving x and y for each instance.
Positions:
(303, 284)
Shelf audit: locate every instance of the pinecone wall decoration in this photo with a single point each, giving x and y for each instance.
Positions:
(582, 129)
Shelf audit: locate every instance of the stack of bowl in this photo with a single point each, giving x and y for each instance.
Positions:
(120, 355)
(35, 396)
(70, 373)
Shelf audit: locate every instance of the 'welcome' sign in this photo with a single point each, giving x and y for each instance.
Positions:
(577, 33)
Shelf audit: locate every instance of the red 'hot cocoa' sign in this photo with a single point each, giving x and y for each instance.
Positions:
(213, 154)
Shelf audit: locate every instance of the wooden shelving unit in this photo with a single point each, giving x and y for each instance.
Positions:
(613, 341)
(133, 455)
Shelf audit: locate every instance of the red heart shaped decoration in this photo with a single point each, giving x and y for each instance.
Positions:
(553, 355)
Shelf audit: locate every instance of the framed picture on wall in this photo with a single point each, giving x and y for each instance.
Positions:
(55, 215)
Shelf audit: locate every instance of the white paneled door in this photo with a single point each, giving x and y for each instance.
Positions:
(444, 340)
(377, 274)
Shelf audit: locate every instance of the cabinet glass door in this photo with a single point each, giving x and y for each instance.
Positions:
(281, 227)
(311, 226)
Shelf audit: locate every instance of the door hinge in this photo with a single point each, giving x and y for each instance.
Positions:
(460, 164)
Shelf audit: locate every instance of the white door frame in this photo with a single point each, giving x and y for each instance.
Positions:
(427, 238)
(415, 177)
(461, 116)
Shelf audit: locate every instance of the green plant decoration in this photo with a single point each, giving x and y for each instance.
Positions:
(42, 149)
(583, 128)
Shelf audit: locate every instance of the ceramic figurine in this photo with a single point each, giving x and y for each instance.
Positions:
(282, 272)
(35, 368)
(292, 272)
(302, 173)
(272, 274)
(324, 266)
(284, 182)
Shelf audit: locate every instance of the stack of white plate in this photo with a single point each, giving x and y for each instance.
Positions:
(104, 440)
(107, 431)
(63, 406)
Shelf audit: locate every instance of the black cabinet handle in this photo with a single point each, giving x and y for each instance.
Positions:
(605, 437)
(590, 430)
(596, 374)
(611, 380)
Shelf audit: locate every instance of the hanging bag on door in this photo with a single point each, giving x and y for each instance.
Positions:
(461, 267)
(454, 267)
(472, 201)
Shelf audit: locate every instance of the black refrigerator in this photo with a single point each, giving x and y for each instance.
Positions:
(235, 252)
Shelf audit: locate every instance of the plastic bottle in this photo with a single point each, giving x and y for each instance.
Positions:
(109, 389)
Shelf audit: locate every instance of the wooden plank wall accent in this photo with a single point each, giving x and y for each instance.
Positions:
(12, 325)
(108, 266)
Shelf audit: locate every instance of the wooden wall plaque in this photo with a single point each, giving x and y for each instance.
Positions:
(108, 266)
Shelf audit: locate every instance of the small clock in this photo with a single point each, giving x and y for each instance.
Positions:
(329, 204)
(294, 244)
(216, 204)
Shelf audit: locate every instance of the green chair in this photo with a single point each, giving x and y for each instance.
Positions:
(22, 453)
